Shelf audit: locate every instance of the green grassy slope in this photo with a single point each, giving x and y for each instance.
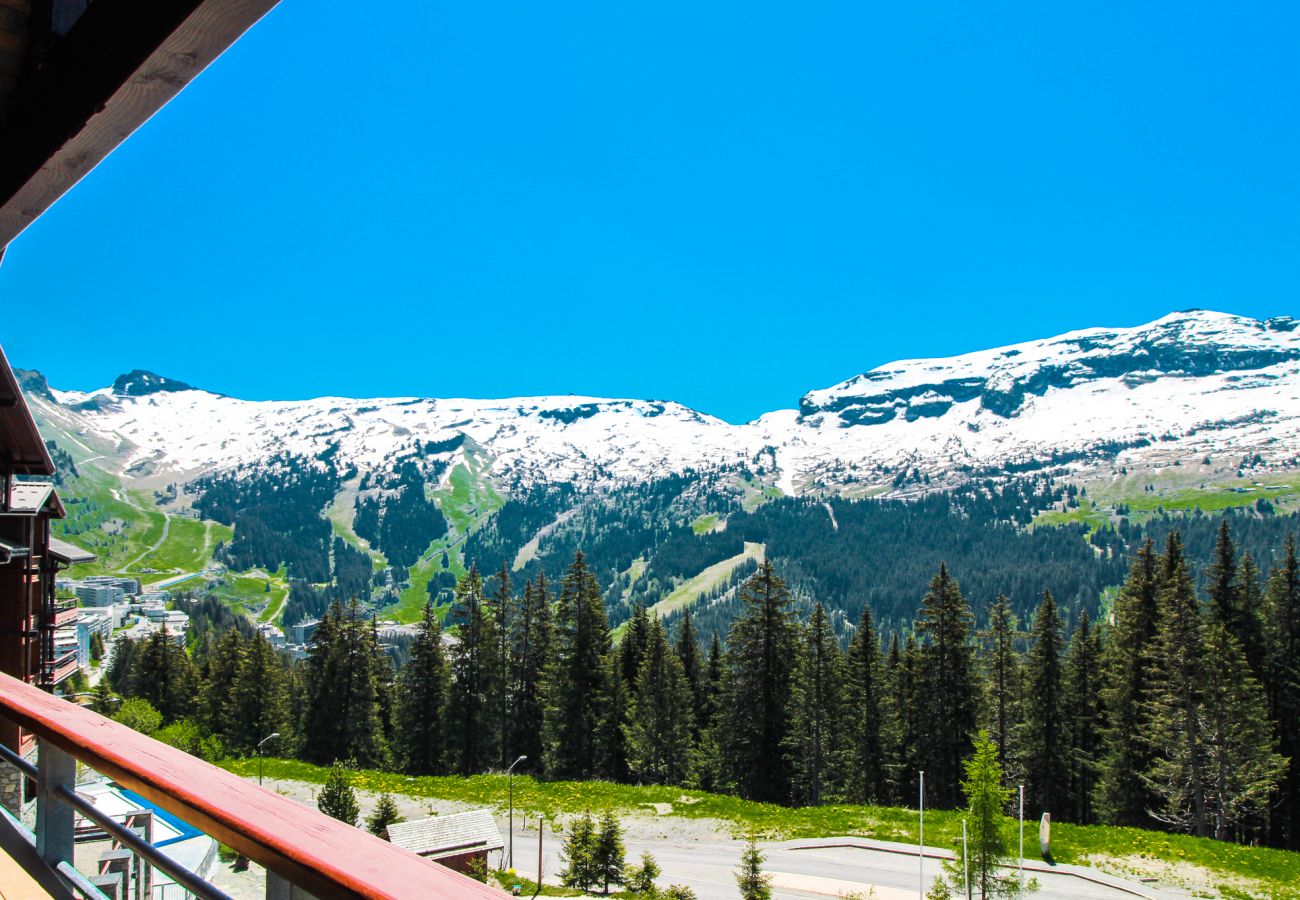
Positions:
(1232, 869)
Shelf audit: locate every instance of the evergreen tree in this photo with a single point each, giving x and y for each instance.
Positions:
(161, 672)
(1282, 686)
(501, 614)
(321, 703)
(1176, 730)
(1221, 582)
(1083, 719)
(813, 743)
(864, 716)
(259, 700)
(755, 714)
(421, 737)
(1250, 610)
(1002, 677)
(222, 664)
(576, 677)
(1046, 743)
(988, 839)
(1123, 797)
(688, 653)
(753, 883)
(609, 852)
(344, 685)
(337, 798)
(706, 757)
(633, 645)
(615, 718)
(579, 854)
(1242, 771)
(658, 738)
(530, 648)
(904, 678)
(385, 814)
(641, 878)
(475, 680)
(947, 702)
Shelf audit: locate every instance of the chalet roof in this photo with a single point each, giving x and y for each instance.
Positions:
(27, 498)
(69, 553)
(22, 451)
(442, 836)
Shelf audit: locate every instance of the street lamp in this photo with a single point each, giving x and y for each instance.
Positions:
(510, 777)
(273, 734)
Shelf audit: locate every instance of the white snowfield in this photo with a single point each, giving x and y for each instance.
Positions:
(1189, 383)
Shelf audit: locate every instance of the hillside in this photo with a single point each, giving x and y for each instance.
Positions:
(1096, 431)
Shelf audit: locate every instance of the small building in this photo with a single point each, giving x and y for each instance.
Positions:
(453, 841)
(96, 594)
(302, 631)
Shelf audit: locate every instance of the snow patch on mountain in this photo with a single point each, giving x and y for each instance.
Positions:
(1187, 383)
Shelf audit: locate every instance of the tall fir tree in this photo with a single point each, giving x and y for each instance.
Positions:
(1002, 679)
(1250, 594)
(161, 672)
(258, 704)
(423, 687)
(476, 684)
(1175, 729)
(1045, 744)
(502, 605)
(947, 697)
(1083, 720)
(814, 743)
(530, 645)
(865, 729)
(1282, 687)
(1242, 769)
(1221, 582)
(632, 646)
(755, 712)
(688, 653)
(658, 735)
(577, 677)
(1123, 796)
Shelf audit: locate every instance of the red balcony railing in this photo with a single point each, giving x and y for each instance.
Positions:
(303, 851)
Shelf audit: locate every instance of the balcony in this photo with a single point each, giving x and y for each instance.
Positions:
(305, 853)
(63, 666)
(66, 612)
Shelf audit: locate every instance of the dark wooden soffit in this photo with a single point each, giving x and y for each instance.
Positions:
(22, 451)
(118, 64)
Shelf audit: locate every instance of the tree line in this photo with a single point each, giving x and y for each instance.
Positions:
(1179, 709)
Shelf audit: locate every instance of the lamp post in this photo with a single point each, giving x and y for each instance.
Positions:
(273, 734)
(920, 846)
(1022, 839)
(510, 778)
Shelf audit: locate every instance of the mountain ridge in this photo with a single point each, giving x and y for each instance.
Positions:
(1201, 380)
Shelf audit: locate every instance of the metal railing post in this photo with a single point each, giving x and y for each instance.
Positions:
(55, 819)
(279, 888)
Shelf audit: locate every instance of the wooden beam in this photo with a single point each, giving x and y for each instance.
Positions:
(120, 62)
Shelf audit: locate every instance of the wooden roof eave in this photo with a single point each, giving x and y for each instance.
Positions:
(119, 63)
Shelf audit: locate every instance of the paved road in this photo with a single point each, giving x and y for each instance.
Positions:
(708, 869)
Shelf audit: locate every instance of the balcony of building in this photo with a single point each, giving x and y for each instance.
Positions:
(154, 786)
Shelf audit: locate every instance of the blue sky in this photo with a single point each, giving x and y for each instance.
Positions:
(722, 204)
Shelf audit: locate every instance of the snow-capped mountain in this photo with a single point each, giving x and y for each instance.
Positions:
(1189, 384)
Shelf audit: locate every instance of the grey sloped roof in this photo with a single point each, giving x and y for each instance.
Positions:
(442, 836)
(68, 553)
